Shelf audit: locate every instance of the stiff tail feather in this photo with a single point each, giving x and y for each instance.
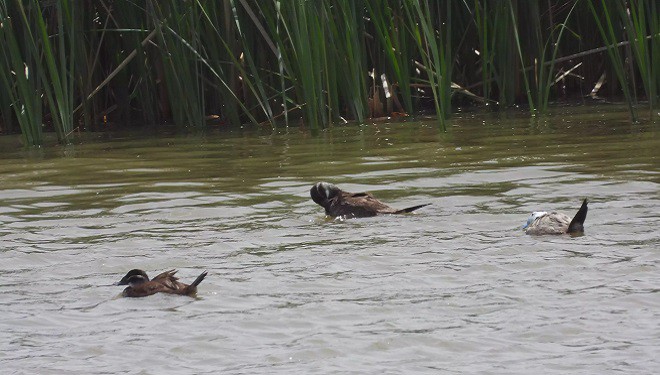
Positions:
(411, 209)
(199, 279)
(577, 224)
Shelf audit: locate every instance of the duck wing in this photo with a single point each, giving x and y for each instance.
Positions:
(165, 275)
(368, 201)
(357, 205)
(169, 281)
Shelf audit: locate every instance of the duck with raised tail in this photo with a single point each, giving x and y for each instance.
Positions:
(556, 222)
(139, 284)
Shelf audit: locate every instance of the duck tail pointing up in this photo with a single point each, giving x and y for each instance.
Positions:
(199, 279)
(577, 224)
(411, 209)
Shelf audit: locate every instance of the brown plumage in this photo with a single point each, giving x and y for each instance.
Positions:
(339, 203)
(139, 284)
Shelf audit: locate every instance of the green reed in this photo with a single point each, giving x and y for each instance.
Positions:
(485, 49)
(641, 19)
(233, 80)
(139, 78)
(610, 34)
(519, 49)
(59, 56)
(18, 74)
(391, 49)
(67, 65)
(654, 31)
(52, 70)
(434, 43)
(499, 52)
(543, 65)
(304, 53)
(219, 39)
(348, 58)
(179, 39)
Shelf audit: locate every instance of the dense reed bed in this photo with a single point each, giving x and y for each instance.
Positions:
(73, 65)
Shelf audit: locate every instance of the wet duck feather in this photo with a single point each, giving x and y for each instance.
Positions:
(339, 203)
(556, 223)
(139, 284)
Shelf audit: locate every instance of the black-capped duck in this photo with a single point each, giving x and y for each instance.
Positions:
(339, 203)
(139, 284)
(556, 223)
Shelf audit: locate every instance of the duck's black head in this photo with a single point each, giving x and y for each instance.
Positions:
(322, 192)
(134, 277)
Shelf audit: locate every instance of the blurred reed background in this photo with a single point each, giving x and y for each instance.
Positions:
(70, 65)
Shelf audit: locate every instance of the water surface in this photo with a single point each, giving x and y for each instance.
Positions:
(456, 287)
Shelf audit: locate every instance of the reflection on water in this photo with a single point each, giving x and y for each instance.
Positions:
(456, 287)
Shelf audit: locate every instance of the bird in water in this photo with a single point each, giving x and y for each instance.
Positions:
(139, 284)
(556, 223)
(339, 203)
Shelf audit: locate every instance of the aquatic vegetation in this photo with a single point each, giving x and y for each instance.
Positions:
(67, 67)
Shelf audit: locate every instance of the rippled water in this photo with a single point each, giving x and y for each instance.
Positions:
(455, 288)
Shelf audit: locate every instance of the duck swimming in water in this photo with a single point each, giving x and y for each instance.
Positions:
(139, 284)
(339, 203)
(556, 223)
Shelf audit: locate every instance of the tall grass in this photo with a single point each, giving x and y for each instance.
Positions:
(67, 65)
(305, 54)
(19, 72)
(349, 52)
(610, 32)
(431, 27)
(391, 48)
(544, 65)
(59, 56)
(182, 70)
(641, 19)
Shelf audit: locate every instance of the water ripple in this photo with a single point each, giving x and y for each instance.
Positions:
(456, 287)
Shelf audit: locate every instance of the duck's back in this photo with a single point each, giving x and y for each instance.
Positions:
(170, 282)
(358, 205)
(552, 223)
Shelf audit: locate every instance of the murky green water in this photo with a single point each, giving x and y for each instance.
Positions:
(455, 288)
